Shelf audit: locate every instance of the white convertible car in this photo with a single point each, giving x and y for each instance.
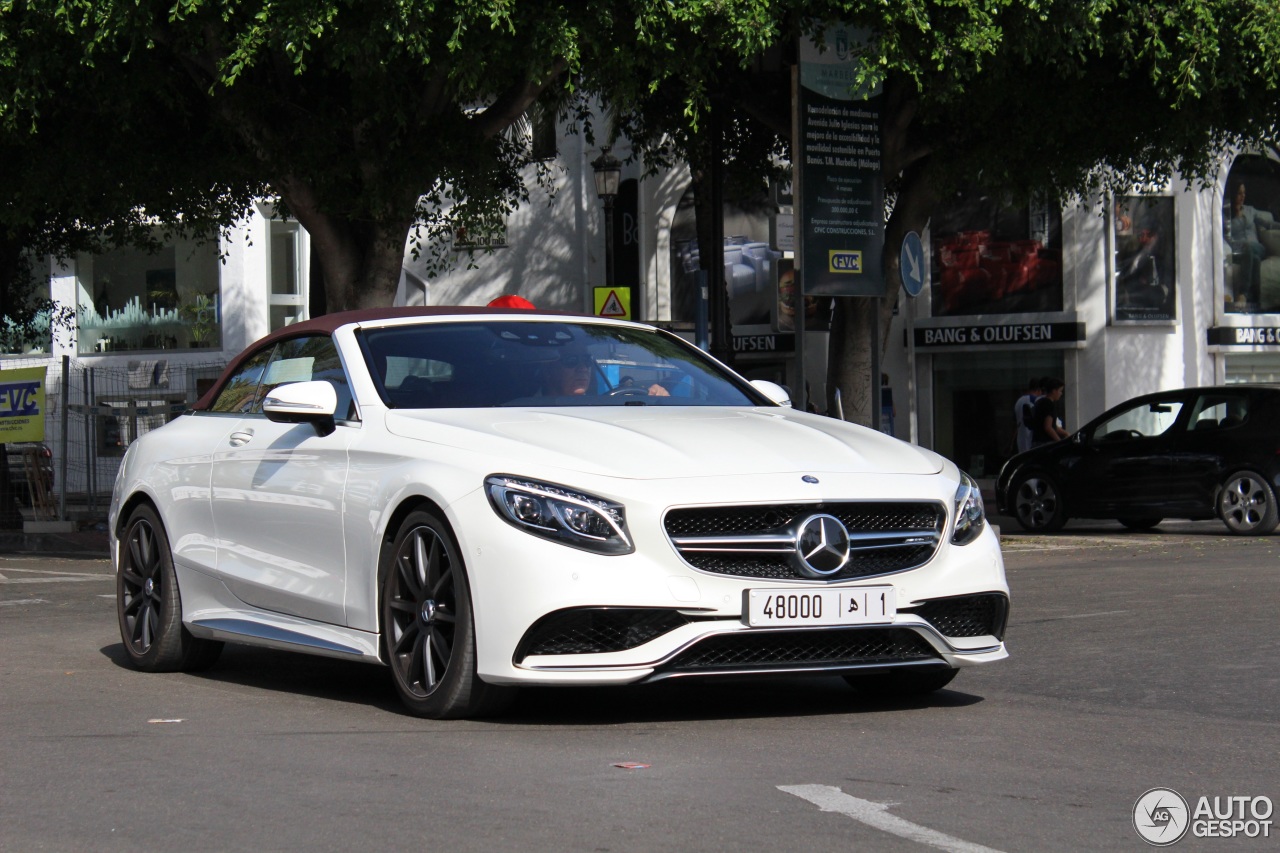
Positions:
(482, 499)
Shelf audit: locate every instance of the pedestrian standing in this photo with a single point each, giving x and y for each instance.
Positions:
(1046, 426)
(1022, 413)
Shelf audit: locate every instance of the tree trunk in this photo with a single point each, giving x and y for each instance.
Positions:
(849, 350)
(360, 263)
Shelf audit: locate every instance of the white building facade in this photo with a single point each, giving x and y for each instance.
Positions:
(1118, 297)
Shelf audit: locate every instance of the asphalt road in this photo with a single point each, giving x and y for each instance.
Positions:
(1138, 661)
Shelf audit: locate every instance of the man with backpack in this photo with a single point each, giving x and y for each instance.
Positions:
(1022, 414)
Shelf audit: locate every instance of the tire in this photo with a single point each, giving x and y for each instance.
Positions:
(1247, 505)
(149, 605)
(1140, 523)
(1037, 504)
(902, 683)
(428, 630)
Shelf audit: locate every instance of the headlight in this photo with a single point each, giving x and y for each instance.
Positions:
(563, 515)
(969, 514)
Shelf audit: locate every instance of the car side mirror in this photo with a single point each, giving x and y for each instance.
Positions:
(773, 391)
(303, 403)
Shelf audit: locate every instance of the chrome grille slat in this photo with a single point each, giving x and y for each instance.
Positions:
(758, 541)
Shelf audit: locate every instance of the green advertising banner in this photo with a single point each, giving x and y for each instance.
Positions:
(839, 164)
(22, 404)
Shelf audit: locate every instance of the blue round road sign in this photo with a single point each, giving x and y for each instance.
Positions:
(911, 260)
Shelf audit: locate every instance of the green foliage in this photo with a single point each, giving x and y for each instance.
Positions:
(370, 120)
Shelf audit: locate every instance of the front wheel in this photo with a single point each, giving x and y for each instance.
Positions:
(1037, 504)
(428, 629)
(149, 605)
(1247, 505)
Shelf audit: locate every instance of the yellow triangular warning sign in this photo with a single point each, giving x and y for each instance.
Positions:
(613, 306)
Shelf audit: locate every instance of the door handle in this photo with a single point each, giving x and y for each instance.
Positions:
(241, 438)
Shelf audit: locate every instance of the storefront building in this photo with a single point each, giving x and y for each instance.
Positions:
(1118, 296)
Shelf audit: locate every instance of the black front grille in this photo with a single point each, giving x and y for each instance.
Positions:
(871, 516)
(966, 615)
(596, 630)
(764, 650)
(886, 536)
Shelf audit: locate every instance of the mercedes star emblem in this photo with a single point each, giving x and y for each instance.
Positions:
(822, 545)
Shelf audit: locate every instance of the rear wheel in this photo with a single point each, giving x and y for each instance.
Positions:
(427, 623)
(148, 603)
(1247, 505)
(901, 683)
(1037, 504)
(1140, 523)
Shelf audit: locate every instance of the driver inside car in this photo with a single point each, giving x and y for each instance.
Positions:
(573, 373)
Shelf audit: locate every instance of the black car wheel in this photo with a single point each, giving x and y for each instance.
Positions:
(148, 603)
(1037, 504)
(1247, 505)
(901, 683)
(1140, 523)
(428, 629)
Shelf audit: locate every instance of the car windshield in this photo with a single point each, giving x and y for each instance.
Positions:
(543, 363)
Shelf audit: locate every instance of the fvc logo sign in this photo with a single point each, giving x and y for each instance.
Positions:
(847, 262)
(22, 404)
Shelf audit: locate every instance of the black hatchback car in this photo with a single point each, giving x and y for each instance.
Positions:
(1196, 453)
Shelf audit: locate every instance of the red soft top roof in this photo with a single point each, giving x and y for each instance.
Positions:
(326, 324)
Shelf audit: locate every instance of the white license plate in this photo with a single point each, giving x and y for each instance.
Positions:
(790, 607)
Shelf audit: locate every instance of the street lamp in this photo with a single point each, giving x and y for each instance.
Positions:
(608, 170)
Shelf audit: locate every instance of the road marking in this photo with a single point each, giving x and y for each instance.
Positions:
(56, 579)
(876, 815)
(61, 574)
(23, 601)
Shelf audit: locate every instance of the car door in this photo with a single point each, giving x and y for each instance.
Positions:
(1126, 465)
(1204, 451)
(277, 495)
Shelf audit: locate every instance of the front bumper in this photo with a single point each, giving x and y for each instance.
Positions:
(662, 618)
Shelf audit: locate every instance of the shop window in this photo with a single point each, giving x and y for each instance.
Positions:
(992, 255)
(287, 299)
(1251, 236)
(1144, 276)
(28, 330)
(974, 421)
(131, 299)
(543, 130)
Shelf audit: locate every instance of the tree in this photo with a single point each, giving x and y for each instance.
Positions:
(369, 122)
(378, 121)
(1059, 98)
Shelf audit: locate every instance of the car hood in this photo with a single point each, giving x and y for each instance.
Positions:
(658, 442)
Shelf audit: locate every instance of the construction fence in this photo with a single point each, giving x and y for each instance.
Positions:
(92, 413)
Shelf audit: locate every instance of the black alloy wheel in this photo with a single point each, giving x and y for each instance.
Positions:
(149, 606)
(428, 630)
